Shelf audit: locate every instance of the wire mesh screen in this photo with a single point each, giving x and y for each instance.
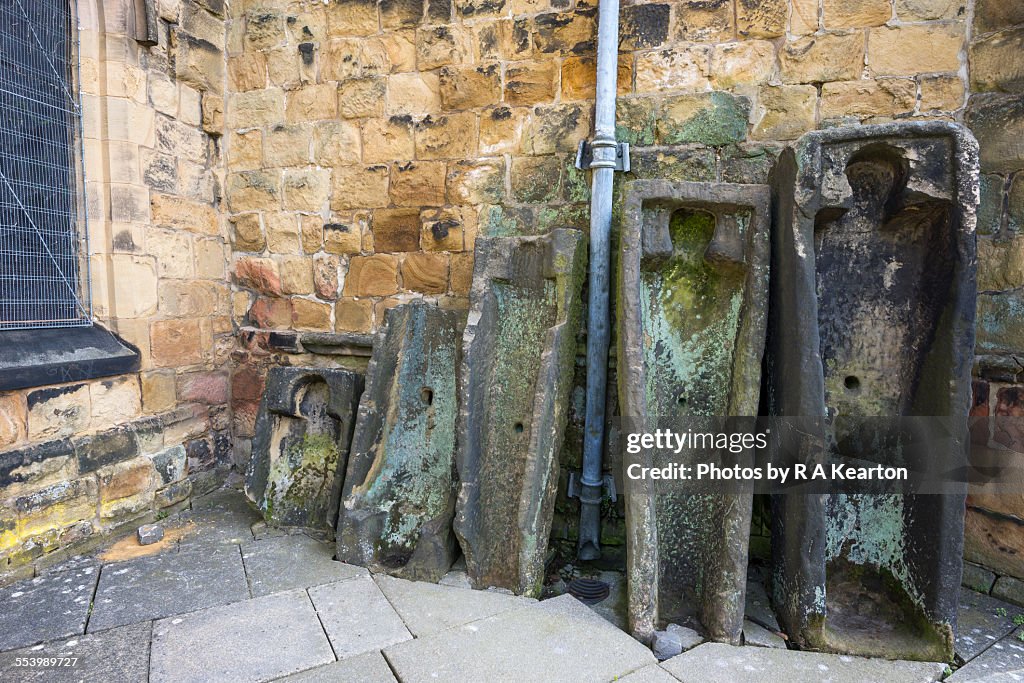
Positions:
(43, 275)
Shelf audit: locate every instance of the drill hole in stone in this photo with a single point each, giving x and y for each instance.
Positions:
(518, 427)
(681, 400)
(427, 395)
(852, 384)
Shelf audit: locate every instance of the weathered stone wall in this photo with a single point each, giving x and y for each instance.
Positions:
(369, 141)
(80, 459)
(361, 145)
(995, 523)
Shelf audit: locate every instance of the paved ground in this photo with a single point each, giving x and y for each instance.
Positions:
(225, 599)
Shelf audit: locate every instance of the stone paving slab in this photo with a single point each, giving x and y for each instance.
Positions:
(255, 640)
(1004, 659)
(357, 617)
(981, 621)
(649, 674)
(47, 607)
(428, 608)
(720, 663)
(224, 516)
(758, 636)
(285, 563)
(120, 654)
(366, 668)
(75, 562)
(759, 607)
(614, 608)
(171, 583)
(225, 501)
(556, 640)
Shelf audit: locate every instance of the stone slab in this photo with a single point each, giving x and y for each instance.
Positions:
(1003, 661)
(693, 274)
(759, 607)
(46, 607)
(74, 562)
(649, 674)
(758, 636)
(981, 621)
(556, 640)
(977, 578)
(1009, 589)
(255, 640)
(289, 562)
(428, 608)
(721, 663)
(615, 607)
(301, 444)
(224, 500)
(841, 199)
(366, 668)
(357, 617)
(224, 516)
(457, 578)
(120, 654)
(398, 498)
(515, 384)
(167, 584)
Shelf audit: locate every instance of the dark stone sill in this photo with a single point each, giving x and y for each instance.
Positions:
(320, 343)
(35, 358)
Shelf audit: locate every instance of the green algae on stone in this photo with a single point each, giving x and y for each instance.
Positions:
(399, 494)
(990, 210)
(563, 216)
(715, 119)
(307, 461)
(692, 272)
(577, 182)
(637, 120)
(690, 163)
(301, 445)
(1000, 322)
(748, 163)
(516, 386)
(507, 221)
(876, 232)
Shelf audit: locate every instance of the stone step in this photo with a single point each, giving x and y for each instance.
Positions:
(254, 640)
(720, 663)
(558, 640)
(428, 608)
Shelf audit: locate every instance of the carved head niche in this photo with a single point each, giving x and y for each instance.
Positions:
(884, 262)
(301, 445)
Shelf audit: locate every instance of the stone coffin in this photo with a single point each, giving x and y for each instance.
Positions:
(872, 314)
(693, 288)
(300, 449)
(399, 493)
(519, 347)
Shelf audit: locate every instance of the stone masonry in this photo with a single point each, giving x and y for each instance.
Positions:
(78, 460)
(265, 170)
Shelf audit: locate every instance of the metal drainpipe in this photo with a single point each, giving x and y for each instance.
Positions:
(598, 323)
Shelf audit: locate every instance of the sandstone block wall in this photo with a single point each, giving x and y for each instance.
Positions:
(80, 459)
(995, 521)
(271, 169)
(370, 142)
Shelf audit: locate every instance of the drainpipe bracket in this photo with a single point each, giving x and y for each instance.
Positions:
(585, 156)
(576, 488)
